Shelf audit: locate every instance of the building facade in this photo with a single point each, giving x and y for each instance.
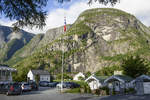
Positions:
(43, 75)
(95, 82)
(6, 73)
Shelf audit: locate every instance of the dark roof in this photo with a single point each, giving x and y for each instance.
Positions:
(121, 78)
(40, 72)
(99, 78)
(142, 78)
(5, 67)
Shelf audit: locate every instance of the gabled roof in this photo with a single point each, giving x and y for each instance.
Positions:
(80, 74)
(5, 67)
(40, 72)
(121, 78)
(98, 78)
(142, 78)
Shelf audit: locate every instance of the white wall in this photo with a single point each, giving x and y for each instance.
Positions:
(76, 77)
(30, 76)
(94, 84)
(45, 78)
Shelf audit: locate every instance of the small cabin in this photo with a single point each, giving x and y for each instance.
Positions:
(142, 84)
(43, 75)
(118, 82)
(95, 82)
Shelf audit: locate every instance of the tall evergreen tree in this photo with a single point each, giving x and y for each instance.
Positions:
(134, 66)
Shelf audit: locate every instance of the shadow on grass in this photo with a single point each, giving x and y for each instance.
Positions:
(81, 98)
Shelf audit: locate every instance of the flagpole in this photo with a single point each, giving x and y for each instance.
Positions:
(62, 70)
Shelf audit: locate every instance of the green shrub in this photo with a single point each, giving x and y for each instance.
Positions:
(75, 90)
(106, 89)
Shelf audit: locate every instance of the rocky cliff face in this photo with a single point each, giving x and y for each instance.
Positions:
(99, 38)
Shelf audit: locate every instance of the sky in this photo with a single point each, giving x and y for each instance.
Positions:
(71, 10)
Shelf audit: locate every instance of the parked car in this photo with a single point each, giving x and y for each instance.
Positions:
(59, 85)
(10, 88)
(52, 84)
(68, 85)
(14, 88)
(44, 83)
(25, 86)
(3, 87)
(34, 85)
(72, 85)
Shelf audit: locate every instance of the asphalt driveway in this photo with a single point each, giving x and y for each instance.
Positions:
(54, 94)
(47, 94)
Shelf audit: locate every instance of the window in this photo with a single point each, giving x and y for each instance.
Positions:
(3, 73)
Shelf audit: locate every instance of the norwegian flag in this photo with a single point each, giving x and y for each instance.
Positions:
(65, 28)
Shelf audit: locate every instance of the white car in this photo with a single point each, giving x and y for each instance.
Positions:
(59, 85)
(26, 87)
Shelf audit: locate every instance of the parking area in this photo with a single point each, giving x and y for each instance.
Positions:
(46, 93)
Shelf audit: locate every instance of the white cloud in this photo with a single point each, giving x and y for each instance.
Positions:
(139, 8)
(6, 23)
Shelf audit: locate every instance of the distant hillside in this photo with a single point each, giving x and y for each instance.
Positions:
(11, 41)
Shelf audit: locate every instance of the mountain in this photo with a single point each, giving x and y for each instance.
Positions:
(11, 41)
(98, 38)
(36, 43)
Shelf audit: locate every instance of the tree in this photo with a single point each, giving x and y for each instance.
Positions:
(25, 12)
(105, 2)
(134, 66)
(30, 13)
(107, 71)
(37, 78)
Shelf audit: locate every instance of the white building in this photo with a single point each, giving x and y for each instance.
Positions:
(142, 84)
(118, 82)
(43, 75)
(77, 76)
(5, 73)
(95, 82)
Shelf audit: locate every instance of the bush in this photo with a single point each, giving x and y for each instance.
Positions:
(65, 76)
(106, 89)
(75, 90)
(130, 90)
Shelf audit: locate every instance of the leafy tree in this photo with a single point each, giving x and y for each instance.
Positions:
(134, 66)
(65, 77)
(107, 71)
(26, 12)
(30, 13)
(105, 2)
(81, 78)
(87, 74)
(37, 78)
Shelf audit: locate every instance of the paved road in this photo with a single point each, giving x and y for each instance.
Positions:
(47, 94)
(54, 94)
(124, 97)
